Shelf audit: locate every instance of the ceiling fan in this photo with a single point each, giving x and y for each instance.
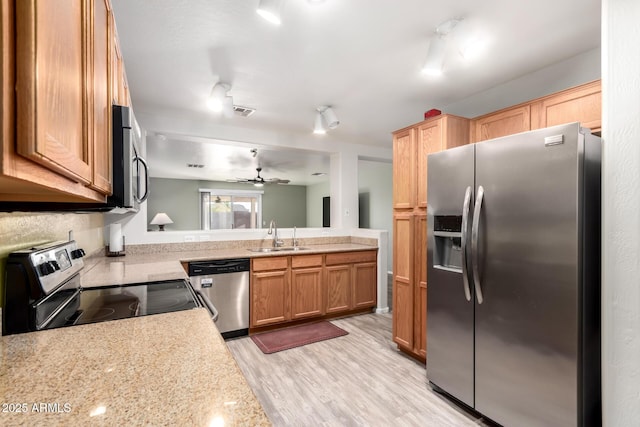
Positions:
(259, 181)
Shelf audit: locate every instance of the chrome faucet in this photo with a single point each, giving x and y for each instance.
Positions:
(273, 226)
(294, 241)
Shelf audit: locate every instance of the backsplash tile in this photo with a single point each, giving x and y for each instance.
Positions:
(19, 230)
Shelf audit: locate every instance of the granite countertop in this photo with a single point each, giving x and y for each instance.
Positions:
(164, 369)
(171, 368)
(164, 265)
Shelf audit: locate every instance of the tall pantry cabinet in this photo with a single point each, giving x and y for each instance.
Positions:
(411, 146)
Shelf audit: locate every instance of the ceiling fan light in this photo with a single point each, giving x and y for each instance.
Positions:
(258, 184)
(270, 10)
(330, 118)
(435, 57)
(318, 128)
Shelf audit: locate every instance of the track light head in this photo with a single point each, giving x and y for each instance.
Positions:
(325, 116)
(270, 10)
(219, 101)
(318, 127)
(435, 57)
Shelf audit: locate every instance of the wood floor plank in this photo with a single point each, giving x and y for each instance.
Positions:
(360, 379)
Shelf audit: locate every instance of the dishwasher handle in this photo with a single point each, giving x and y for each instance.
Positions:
(209, 305)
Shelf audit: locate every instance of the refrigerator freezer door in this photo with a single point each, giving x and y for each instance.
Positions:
(527, 325)
(450, 314)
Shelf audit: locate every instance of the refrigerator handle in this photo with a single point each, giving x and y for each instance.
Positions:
(475, 262)
(465, 223)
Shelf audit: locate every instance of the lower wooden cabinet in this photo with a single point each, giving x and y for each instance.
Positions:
(403, 280)
(294, 288)
(306, 286)
(270, 291)
(351, 280)
(338, 288)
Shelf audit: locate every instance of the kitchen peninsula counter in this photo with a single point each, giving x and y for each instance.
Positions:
(164, 369)
(160, 263)
(171, 368)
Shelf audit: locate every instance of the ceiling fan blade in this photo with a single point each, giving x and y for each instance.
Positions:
(278, 181)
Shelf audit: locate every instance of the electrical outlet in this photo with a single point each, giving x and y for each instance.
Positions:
(189, 238)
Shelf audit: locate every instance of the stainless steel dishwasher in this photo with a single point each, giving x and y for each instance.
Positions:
(223, 285)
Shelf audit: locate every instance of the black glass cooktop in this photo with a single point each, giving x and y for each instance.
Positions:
(93, 305)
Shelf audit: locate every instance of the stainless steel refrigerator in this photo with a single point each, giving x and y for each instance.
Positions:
(513, 277)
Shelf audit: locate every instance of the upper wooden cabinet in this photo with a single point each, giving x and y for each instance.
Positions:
(404, 166)
(119, 86)
(51, 59)
(56, 99)
(502, 123)
(579, 104)
(101, 40)
(412, 145)
(436, 134)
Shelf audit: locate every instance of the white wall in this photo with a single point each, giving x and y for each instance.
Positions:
(315, 193)
(376, 179)
(573, 71)
(621, 213)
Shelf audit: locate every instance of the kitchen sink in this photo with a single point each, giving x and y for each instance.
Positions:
(279, 249)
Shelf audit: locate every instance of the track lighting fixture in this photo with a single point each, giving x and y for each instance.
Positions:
(318, 127)
(435, 55)
(219, 101)
(325, 116)
(467, 40)
(270, 10)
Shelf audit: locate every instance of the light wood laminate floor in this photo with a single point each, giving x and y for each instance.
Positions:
(360, 379)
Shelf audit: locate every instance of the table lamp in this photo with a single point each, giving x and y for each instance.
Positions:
(161, 219)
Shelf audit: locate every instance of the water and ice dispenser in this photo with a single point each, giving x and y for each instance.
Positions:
(447, 233)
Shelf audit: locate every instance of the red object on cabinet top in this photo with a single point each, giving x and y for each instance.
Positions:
(431, 113)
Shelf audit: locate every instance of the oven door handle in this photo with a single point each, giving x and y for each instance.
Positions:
(207, 302)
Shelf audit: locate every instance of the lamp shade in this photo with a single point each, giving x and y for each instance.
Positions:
(161, 219)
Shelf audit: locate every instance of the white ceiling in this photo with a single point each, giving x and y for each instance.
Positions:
(363, 57)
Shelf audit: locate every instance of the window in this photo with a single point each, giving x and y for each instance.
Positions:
(226, 209)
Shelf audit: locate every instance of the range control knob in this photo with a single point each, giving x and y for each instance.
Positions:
(46, 268)
(78, 253)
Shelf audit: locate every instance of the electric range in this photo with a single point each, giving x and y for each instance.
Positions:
(42, 291)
